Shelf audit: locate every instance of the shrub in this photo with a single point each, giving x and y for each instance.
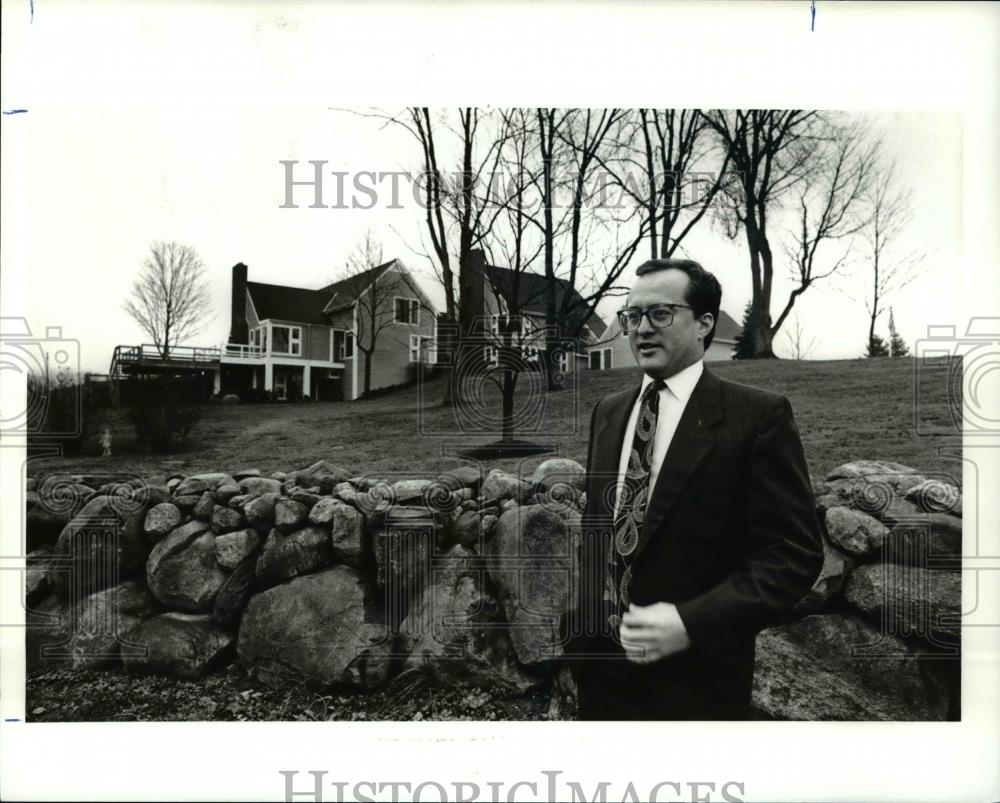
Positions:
(163, 411)
(64, 418)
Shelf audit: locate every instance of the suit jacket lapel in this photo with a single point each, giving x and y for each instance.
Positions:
(691, 443)
(610, 435)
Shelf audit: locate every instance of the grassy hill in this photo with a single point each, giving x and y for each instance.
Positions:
(845, 410)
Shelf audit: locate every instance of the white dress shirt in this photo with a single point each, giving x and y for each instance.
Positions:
(673, 399)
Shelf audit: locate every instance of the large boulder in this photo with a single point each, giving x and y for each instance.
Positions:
(909, 600)
(286, 556)
(226, 520)
(313, 629)
(38, 565)
(259, 511)
(307, 498)
(560, 471)
(346, 492)
(500, 485)
(936, 496)
(450, 630)
(52, 506)
(407, 492)
(161, 519)
(935, 535)
(837, 667)
(93, 630)
(868, 468)
(289, 515)
(236, 591)
(199, 483)
(347, 535)
(854, 532)
(529, 561)
(322, 513)
(187, 502)
(404, 541)
(467, 528)
(104, 543)
(204, 506)
(182, 571)
(255, 486)
(882, 495)
(468, 476)
(232, 548)
(322, 475)
(225, 492)
(180, 644)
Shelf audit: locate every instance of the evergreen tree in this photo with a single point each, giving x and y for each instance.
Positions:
(744, 348)
(897, 346)
(877, 347)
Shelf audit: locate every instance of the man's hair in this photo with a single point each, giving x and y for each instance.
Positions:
(704, 293)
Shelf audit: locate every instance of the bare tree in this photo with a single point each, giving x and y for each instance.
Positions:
(667, 166)
(770, 151)
(890, 210)
(170, 296)
(453, 204)
(831, 206)
(517, 241)
(585, 253)
(799, 343)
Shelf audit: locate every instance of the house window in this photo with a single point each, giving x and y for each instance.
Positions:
(407, 310)
(343, 345)
(600, 359)
(287, 340)
(420, 348)
(258, 339)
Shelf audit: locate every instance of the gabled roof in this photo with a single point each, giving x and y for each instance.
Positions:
(531, 290)
(346, 291)
(302, 305)
(726, 328)
(287, 303)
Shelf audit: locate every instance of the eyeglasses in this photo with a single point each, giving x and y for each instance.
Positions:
(659, 316)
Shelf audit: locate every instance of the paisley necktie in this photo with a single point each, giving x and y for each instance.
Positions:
(632, 505)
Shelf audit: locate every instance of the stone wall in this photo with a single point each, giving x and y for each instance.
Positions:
(324, 577)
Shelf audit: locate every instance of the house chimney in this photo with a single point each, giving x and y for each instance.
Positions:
(238, 332)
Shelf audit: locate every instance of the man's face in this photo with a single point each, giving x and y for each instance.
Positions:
(661, 353)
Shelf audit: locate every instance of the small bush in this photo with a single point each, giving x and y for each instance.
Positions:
(163, 412)
(65, 417)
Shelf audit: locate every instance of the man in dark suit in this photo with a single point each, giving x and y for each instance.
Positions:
(700, 527)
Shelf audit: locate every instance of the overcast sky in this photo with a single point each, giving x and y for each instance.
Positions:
(103, 167)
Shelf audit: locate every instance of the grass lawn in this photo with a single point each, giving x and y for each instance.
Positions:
(845, 410)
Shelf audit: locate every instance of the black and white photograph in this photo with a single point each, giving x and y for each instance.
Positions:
(360, 390)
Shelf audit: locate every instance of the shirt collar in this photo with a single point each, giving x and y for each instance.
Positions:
(681, 384)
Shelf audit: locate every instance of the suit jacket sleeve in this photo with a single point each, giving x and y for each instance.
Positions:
(590, 559)
(785, 550)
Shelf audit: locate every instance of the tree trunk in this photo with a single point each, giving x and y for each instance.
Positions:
(368, 374)
(763, 345)
(761, 268)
